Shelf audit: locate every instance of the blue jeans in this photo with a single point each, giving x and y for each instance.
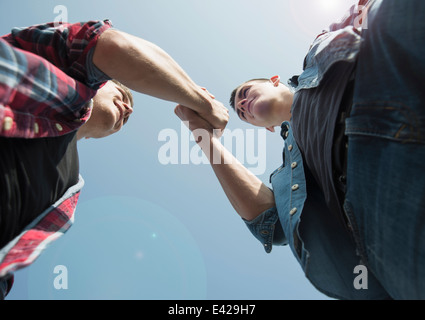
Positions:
(385, 200)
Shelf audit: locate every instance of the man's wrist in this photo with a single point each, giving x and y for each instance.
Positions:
(201, 102)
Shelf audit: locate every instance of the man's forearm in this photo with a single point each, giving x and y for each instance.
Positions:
(247, 194)
(146, 68)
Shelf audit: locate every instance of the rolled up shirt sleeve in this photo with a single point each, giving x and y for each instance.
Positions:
(36, 98)
(67, 46)
(267, 229)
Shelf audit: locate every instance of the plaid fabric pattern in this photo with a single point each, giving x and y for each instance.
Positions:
(46, 90)
(64, 45)
(40, 94)
(36, 98)
(48, 227)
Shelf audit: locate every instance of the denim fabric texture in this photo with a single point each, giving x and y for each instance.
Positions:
(322, 246)
(385, 199)
(386, 169)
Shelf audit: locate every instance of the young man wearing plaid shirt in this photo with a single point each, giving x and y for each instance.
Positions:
(55, 89)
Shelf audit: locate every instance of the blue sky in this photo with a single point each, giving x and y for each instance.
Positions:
(145, 230)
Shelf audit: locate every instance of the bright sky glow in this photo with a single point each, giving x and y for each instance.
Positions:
(329, 4)
(312, 16)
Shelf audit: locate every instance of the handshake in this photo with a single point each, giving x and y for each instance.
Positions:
(213, 120)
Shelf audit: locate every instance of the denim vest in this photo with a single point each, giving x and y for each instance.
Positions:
(320, 242)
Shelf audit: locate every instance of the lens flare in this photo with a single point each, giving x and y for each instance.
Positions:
(329, 5)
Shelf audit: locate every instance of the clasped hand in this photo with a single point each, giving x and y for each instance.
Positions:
(212, 123)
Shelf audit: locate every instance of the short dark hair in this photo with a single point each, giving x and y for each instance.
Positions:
(233, 94)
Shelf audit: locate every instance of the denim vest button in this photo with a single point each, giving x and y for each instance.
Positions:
(294, 165)
(293, 211)
(295, 187)
(264, 232)
(290, 147)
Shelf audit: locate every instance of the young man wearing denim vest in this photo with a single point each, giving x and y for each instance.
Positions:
(349, 197)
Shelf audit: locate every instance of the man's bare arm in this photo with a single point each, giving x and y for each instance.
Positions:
(146, 68)
(247, 194)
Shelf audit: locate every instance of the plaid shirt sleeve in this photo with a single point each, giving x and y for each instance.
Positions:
(65, 45)
(36, 98)
(47, 79)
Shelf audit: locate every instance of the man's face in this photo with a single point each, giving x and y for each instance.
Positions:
(258, 102)
(111, 110)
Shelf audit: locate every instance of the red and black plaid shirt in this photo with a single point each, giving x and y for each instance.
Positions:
(47, 80)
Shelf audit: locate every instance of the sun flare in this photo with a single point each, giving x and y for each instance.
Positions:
(312, 16)
(329, 4)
